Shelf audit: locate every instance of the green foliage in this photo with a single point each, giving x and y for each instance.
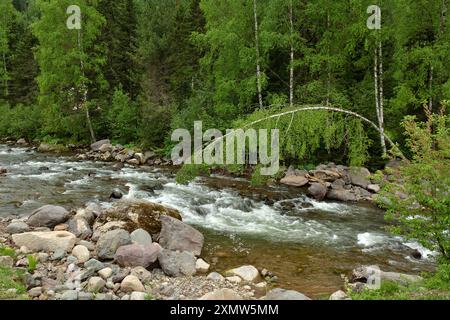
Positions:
(7, 251)
(189, 172)
(20, 121)
(12, 279)
(123, 118)
(32, 263)
(420, 204)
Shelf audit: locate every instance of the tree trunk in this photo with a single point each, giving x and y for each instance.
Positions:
(85, 92)
(258, 63)
(430, 89)
(381, 100)
(291, 69)
(328, 64)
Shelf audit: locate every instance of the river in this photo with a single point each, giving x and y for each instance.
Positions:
(307, 244)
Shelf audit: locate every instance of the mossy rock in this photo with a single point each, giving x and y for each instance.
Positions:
(138, 214)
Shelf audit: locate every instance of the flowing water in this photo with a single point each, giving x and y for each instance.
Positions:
(307, 244)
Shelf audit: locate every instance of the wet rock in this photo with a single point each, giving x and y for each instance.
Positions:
(341, 195)
(17, 227)
(45, 241)
(6, 261)
(282, 294)
(176, 235)
(3, 171)
(201, 266)
(135, 255)
(318, 191)
(359, 177)
(116, 194)
(130, 284)
(416, 254)
(247, 273)
(339, 295)
(81, 253)
(222, 294)
(109, 242)
(48, 216)
(80, 228)
(295, 181)
(136, 214)
(97, 145)
(177, 264)
(142, 237)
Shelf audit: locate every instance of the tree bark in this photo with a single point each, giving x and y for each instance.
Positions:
(258, 55)
(291, 69)
(328, 64)
(381, 100)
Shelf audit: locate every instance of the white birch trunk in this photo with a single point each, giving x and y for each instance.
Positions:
(258, 63)
(381, 100)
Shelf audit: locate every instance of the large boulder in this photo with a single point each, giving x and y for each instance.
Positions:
(326, 175)
(341, 195)
(109, 242)
(136, 214)
(364, 273)
(136, 255)
(45, 241)
(247, 273)
(48, 216)
(97, 145)
(177, 264)
(176, 235)
(318, 191)
(359, 177)
(282, 294)
(295, 181)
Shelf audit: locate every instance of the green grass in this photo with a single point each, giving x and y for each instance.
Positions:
(7, 251)
(32, 263)
(12, 279)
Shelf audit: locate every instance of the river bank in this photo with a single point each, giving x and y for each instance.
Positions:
(306, 244)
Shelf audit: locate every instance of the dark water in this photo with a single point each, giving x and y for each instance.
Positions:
(305, 243)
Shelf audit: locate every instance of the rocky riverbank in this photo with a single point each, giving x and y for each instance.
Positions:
(135, 250)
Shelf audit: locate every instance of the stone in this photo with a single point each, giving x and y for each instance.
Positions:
(374, 188)
(176, 264)
(103, 296)
(81, 253)
(222, 294)
(246, 273)
(318, 191)
(326, 175)
(106, 148)
(338, 184)
(87, 244)
(72, 259)
(105, 273)
(116, 194)
(22, 141)
(201, 266)
(119, 276)
(364, 273)
(139, 157)
(125, 297)
(136, 214)
(85, 296)
(234, 279)
(214, 276)
(61, 227)
(135, 255)
(58, 254)
(97, 145)
(142, 237)
(295, 181)
(359, 177)
(69, 295)
(48, 216)
(261, 288)
(339, 295)
(96, 284)
(138, 296)
(176, 235)
(143, 274)
(43, 257)
(94, 264)
(85, 214)
(109, 242)
(45, 241)
(17, 227)
(130, 284)
(134, 162)
(80, 228)
(341, 195)
(6, 261)
(101, 229)
(282, 294)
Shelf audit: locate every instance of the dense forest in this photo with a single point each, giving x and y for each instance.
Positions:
(137, 69)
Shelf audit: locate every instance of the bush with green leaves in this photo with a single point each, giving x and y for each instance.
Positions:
(122, 118)
(418, 200)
